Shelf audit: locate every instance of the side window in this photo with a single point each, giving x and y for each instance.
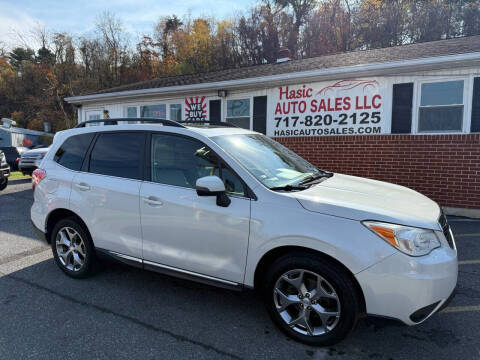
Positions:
(233, 184)
(73, 150)
(118, 154)
(180, 161)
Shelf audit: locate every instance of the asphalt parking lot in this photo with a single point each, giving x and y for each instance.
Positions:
(126, 313)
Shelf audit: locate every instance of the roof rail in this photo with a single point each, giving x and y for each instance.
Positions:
(215, 123)
(164, 122)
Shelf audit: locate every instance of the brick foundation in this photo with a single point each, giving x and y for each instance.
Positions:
(445, 168)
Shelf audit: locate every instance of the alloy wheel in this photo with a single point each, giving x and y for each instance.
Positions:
(306, 302)
(70, 249)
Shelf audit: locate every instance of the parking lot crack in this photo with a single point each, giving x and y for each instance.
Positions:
(122, 316)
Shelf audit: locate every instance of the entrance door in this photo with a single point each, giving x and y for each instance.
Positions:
(182, 230)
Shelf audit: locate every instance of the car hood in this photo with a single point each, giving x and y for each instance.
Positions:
(365, 199)
(36, 151)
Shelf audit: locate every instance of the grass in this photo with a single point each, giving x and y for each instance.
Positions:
(17, 175)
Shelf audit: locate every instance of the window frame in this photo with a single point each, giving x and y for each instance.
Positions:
(239, 97)
(86, 162)
(416, 105)
(248, 193)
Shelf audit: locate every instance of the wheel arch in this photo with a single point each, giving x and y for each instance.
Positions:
(57, 215)
(269, 257)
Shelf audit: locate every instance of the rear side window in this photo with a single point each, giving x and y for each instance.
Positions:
(118, 154)
(73, 150)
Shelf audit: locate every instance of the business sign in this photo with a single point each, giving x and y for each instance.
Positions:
(195, 109)
(345, 107)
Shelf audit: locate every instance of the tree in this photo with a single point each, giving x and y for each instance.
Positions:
(331, 29)
(470, 17)
(430, 20)
(45, 56)
(164, 30)
(20, 55)
(301, 10)
(114, 41)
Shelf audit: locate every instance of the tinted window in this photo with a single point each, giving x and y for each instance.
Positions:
(180, 161)
(233, 184)
(73, 150)
(118, 154)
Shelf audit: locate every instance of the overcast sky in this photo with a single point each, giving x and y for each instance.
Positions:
(77, 17)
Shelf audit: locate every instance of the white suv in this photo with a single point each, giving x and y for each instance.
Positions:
(233, 208)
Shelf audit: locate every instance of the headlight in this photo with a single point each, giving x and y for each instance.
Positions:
(410, 240)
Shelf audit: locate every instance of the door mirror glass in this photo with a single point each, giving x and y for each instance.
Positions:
(213, 186)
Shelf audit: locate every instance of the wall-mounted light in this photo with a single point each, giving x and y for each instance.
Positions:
(222, 93)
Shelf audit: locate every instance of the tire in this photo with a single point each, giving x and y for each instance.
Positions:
(3, 184)
(332, 311)
(78, 260)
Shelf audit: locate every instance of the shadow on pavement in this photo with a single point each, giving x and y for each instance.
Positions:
(134, 312)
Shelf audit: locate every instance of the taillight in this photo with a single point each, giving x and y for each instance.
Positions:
(37, 176)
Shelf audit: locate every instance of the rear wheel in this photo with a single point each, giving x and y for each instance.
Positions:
(311, 299)
(3, 183)
(73, 248)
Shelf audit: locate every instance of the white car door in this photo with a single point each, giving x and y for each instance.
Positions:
(66, 162)
(106, 194)
(182, 230)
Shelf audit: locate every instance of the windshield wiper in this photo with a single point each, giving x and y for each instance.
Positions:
(316, 176)
(289, 187)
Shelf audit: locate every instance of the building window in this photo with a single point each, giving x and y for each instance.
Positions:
(94, 117)
(176, 112)
(441, 106)
(238, 112)
(132, 113)
(153, 111)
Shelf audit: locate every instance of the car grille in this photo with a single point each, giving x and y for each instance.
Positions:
(446, 229)
(31, 157)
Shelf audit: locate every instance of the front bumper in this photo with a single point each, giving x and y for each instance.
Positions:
(410, 289)
(4, 172)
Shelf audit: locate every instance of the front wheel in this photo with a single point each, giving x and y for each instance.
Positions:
(3, 184)
(311, 299)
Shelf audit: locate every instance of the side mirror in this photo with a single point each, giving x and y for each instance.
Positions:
(213, 186)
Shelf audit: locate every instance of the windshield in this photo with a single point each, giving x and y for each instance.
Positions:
(270, 162)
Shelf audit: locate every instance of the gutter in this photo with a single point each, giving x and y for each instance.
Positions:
(288, 78)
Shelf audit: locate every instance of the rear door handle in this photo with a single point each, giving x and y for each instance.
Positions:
(82, 186)
(152, 201)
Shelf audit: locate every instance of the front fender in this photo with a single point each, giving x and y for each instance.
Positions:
(345, 240)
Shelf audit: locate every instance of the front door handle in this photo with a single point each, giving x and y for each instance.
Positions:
(82, 186)
(152, 201)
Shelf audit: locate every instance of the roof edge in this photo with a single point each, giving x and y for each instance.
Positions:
(419, 64)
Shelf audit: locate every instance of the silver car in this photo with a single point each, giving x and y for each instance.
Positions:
(30, 160)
